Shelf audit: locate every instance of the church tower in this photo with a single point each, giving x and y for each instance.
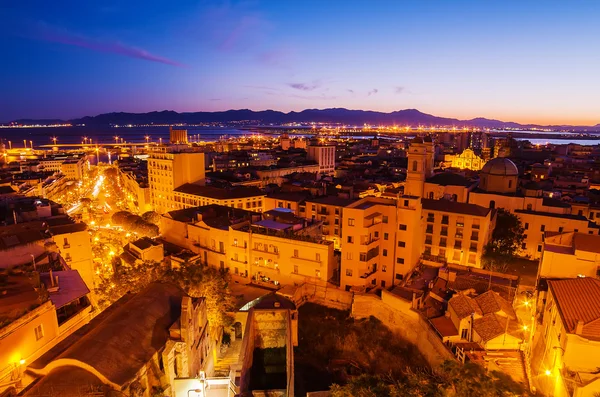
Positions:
(420, 166)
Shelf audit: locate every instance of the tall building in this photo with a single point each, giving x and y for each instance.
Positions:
(323, 154)
(177, 136)
(168, 171)
(420, 166)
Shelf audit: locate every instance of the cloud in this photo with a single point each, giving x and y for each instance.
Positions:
(281, 58)
(398, 89)
(52, 34)
(215, 99)
(305, 86)
(350, 91)
(373, 92)
(313, 97)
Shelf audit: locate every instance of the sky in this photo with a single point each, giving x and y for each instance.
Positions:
(524, 61)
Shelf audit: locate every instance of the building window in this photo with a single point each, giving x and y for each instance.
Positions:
(295, 269)
(317, 273)
(318, 257)
(363, 256)
(539, 249)
(401, 227)
(336, 221)
(350, 239)
(295, 253)
(529, 207)
(350, 221)
(401, 244)
(464, 334)
(384, 219)
(492, 204)
(383, 268)
(406, 203)
(39, 332)
(400, 261)
(348, 272)
(444, 219)
(526, 226)
(560, 229)
(399, 276)
(414, 165)
(384, 252)
(349, 255)
(543, 228)
(385, 236)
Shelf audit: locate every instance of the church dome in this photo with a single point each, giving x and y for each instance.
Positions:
(500, 166)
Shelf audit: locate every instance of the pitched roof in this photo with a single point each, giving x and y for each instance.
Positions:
(490, 326)
(219, 193)
(464, 306)
(453, 206)
(444, 326)
(492, 302)
(578, 299)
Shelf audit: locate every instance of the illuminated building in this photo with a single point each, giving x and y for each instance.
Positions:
(420, 166)
(277, 249)
(323, 154)
(570, 338)
(177, 136)
(245, 197)
(569, 255)
(73, 169)
(466, 160)
(169, 170)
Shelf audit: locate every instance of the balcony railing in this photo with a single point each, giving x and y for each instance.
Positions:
(370, 241)
(441, 259)
(474, 236)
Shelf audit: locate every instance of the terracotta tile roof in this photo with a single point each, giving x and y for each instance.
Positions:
(578, 299)
(492, 302)
(444, 326)
(490, 326)
(464, 306)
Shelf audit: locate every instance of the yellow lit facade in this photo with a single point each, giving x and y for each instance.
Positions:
(467, 160)
(167, 171)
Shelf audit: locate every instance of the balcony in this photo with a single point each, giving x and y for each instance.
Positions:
(257, 251)
(324, 212)
(239, 261)
(434, 260)
(428, 241)
(370, 272)
(444, 221)
(370, 241)
(475, 236)
(458, 235)
(473, 249)
(460, 224)
(444, 233)
(429, 230)
(325, 222)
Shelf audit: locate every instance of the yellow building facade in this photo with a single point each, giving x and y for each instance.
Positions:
(467, 160)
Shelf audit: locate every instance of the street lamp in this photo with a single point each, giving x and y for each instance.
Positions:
(116, 139)
(147, 138)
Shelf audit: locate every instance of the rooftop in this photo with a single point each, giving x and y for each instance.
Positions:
(145, 243)
(214, 215)
(17, 297)
(553, 215)
(578, 299)
(449, 179)
(454, 207)
(332, 200)
(71, 287)
(219, 193)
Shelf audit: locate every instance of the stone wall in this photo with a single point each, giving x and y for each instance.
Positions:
(270, 329)
(324, 294)
(398, 315)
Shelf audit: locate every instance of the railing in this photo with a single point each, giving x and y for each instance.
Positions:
(434, 258)
(474, 236)
(370, 241)
(370, 273)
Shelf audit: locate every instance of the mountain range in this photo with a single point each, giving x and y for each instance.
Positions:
(411, 117)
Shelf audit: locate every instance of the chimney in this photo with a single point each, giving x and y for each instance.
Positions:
(51, 279)
(579, 327)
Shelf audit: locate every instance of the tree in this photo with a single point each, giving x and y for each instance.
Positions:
(151, 217)
(506, 241)
(195, 280)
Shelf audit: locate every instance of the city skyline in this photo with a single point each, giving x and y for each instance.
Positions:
(527, 63)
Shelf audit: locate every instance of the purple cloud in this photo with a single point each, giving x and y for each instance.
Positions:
(373, 92)
(399, 89)
(305, 87)
(350, 91)
(51, 34)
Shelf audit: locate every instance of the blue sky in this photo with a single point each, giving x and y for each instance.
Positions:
(525, 61)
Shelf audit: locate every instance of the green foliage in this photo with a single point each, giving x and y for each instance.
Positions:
(506, 241)
(195, 280)
(450, 380)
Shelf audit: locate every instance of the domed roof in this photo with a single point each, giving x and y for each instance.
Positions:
(500, 166)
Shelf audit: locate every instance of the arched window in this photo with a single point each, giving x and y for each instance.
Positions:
(415, 166)
(492, 204)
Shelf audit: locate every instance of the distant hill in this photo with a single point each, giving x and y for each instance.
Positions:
(411, 117)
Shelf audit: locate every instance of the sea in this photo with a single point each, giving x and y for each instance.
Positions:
(39, 136)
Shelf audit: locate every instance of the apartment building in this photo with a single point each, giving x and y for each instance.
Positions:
(329, 210)
(569, 255)
(245, 197)
(74, 169)
(570, 337)
(168, 170)
(134, 179)
(264, 249)
(455, 232)
(323, 154)
(35, 314)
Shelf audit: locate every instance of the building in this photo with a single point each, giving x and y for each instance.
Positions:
(192, 195)
(278, 175)
(323, 154)
(466, 160)
(143, 250)
(177, 136)
(133, 175)
(35, 314)
(277, 249)
(569, 255)
(169, 170)
(172, 341)
(420, 166)
(74, 169)
(329, 210)
(456, 232)
(570, 337)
